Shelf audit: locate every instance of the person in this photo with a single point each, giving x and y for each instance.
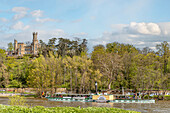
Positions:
(134, 95)
(96, 87)
(43, 93)
(137, 95)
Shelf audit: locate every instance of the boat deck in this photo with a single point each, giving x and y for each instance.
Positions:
(95, 98)
(102, 101)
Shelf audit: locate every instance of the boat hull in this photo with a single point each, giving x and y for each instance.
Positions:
(101, 101)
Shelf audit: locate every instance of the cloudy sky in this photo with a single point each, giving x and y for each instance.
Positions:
(138, 22)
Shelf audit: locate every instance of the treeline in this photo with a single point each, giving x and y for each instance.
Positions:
(66, 64)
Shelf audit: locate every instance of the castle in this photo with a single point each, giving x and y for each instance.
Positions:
(21, 49)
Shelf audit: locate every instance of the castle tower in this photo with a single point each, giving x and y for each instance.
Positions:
(35, 36)
(15, 45)
(35, 43)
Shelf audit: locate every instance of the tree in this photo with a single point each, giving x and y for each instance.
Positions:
(110, 66)
(52, 46)
(39, 76)
(43, 49)
(2, 56)
(10, 47)
(146, 50)
(164, 52)
(54, 69)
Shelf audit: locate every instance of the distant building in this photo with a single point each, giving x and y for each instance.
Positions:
(21, 49)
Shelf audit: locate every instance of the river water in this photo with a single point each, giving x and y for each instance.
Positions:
(158, 107)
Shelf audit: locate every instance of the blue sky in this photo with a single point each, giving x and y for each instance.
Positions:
(138, 22)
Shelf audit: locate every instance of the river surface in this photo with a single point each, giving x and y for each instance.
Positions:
(158, 107)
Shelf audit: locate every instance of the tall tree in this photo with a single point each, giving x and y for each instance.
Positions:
(10, 47)
(164, 52)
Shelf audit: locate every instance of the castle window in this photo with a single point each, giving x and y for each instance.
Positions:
(27, 49)
(35, 47)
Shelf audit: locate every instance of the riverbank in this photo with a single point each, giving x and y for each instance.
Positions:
(13, 94)
(41, 109)
(163, 106)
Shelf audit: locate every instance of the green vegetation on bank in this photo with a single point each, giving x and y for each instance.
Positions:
(41, 109)
(167, 97)
(66, 64)
(14, 92)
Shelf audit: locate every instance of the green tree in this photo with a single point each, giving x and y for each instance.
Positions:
(10, 47)
(39, 76)
(164, 52)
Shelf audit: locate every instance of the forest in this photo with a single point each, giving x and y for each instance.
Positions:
(65, 63)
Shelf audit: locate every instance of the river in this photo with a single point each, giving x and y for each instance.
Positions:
(158, 107)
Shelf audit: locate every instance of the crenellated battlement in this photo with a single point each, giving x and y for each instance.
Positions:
(35, 33)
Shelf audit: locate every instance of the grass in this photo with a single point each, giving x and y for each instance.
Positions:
(6, 92)
(41, 109)
(15, 92)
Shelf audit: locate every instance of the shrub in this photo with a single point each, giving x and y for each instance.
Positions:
(17, 100)
(155, 96)
(130, 95)
(160, 97)
(147, 97)
(167, 97)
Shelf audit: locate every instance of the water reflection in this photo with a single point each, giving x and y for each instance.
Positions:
(158, 107)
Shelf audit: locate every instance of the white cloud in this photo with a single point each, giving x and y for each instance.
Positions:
(165, 28)
(133, 35)
(140, 43)
(118, 27)
(37, 13)
(19, 9)
(76, 21)
(3, 19)
(144, 28)
(20, 26)
(19, 16)
(93, 17)
(81, 34)
(46, 20)
(21, 12)
(138, 34)
(153, 48)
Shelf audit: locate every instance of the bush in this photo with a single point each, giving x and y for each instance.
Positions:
(160, 97)
(147, 97)
(130, 95)
(155, 96)
(17, 100)
(167, 97)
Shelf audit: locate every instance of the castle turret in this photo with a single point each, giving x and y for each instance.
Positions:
(15, 45)
(35, 43)
(35, 36)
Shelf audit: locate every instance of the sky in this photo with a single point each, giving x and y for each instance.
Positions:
(142, 23)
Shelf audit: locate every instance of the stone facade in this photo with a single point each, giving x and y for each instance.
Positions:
(21, 49)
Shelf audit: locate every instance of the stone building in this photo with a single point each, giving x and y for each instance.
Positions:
(26, 48)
